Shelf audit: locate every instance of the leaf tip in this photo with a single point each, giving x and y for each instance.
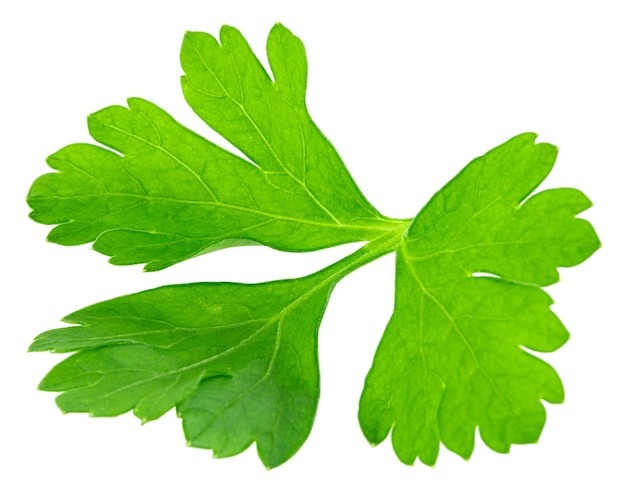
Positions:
(153, 266)
(279, 27)
(34, 346)
(530, 138)
(227, 31)
(189, 35)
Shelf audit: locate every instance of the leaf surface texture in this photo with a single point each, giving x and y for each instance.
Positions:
(452, 357)
(239, 362)
(158, 193)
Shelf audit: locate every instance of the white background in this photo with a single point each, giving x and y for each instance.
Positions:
(408, 92)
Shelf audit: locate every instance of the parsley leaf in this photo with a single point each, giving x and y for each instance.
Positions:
(173, 195)
(239, 362)
(450, 358)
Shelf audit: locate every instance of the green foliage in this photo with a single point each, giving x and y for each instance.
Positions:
(239, 362)
(456, 337)
(173, 195)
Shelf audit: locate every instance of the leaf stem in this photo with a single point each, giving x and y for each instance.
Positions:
(386, 243)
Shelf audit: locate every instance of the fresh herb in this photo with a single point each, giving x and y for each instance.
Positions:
(239, 362)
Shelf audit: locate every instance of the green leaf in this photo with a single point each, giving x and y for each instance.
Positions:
(173, 195)
(451, 358)
(239, 361)
(268, 120)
